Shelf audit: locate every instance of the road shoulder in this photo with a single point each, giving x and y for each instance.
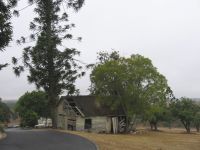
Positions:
(2, 135)
(73, 133)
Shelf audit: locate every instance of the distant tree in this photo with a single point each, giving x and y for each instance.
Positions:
(154, 114)
(1, 129)
(197, 117)
(197, 121)
(185, 110)
(5, 24)
(133, 83)
(36, 102)
(5, 112)
(51, 67)
(159, 110)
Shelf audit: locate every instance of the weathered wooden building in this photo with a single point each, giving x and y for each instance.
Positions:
(85, 113)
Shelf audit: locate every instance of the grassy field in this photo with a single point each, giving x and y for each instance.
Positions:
(164, 140)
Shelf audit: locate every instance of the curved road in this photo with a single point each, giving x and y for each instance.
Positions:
(43, 140)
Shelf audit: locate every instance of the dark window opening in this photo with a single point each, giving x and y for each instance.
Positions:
(88, 123)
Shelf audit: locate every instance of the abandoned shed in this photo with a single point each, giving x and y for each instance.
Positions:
(85, 113)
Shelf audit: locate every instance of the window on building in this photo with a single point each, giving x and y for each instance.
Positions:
(88, 123)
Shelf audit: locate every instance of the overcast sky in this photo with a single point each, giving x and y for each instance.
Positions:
(166, 31)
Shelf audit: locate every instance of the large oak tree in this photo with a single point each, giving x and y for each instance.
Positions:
(131, 83)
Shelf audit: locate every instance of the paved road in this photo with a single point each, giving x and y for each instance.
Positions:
(43, 140)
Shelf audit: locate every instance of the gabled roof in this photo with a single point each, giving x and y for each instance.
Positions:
(90, 106)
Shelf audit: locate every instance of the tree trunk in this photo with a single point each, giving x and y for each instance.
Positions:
(198, 128)
(51, 69)
(130, 122)
(188, 130)
(53, 109)
(186, 125)
(151, 125)
(54, 117)
(155, 126)
(127, 125)
(46, 124)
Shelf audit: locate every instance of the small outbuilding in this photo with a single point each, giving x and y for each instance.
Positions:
(86, 113)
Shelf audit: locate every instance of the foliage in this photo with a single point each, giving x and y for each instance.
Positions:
(155, 114)
(51, 67)
(36, 102)
(159, 111)
(11, 105)
(5, 112)
(5, 24)
(1, 129)
(197, 118)
(185, 110)
(133, 83)
(29, 119)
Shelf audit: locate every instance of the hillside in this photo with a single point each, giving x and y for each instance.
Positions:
(10, 103)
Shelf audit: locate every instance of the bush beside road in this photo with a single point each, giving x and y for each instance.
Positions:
(2, 133)
(1, 129)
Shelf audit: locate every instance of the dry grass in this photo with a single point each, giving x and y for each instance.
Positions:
(165, 140)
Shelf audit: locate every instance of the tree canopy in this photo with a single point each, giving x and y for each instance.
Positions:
(5, 25)
(197, 120)
(5, 112)
(133, 83)
(186, 110)
(35, 101)
(31, 106)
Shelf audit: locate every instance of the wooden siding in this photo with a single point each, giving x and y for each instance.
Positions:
(99, 124)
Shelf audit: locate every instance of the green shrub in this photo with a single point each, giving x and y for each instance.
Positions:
(1, 129)
(29, 119)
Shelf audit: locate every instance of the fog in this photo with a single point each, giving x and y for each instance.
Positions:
(166, 31)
